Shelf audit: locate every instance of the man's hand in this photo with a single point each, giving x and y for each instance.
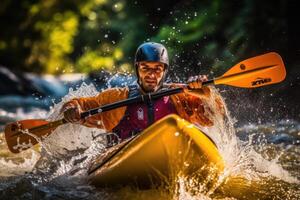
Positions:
(195, 86)
(195, 82)
(72, 114)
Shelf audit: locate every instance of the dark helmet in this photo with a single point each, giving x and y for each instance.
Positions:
(152, 52)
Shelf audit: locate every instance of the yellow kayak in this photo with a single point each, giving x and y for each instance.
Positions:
(169, 148)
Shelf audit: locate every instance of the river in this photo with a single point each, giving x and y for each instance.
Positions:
(261, 161)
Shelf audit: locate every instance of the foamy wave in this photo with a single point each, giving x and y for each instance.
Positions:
(241, 157)
(13, 168)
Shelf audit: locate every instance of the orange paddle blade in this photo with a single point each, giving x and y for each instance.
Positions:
(255, 72)
(24, 134)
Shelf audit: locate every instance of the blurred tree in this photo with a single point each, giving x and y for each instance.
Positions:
(210, 36)
(87, 35)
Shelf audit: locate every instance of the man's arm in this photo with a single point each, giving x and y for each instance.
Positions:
(198, 104)
(204, 92)
(107, 120)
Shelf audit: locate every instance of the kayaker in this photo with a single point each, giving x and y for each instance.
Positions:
(151, 67)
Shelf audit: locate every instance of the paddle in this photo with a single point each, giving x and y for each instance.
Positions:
(254, 72)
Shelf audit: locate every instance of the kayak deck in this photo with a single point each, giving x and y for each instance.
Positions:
(169, 147)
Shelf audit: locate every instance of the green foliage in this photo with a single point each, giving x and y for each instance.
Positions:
(53, 36)
(58, 35)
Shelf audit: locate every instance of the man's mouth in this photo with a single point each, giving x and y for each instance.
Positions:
(150, 81)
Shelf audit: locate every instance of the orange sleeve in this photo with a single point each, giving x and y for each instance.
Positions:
(106, 120)
(191, 108)
(195, 105)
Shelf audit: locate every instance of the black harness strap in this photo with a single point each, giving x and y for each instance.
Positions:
(134, 92)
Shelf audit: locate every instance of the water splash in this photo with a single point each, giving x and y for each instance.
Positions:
(71, 148)
(245, 160)
(13, 167)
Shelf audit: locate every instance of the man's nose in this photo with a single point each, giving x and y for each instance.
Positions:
(152, 75)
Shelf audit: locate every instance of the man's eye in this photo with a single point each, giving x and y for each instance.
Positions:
(156, 70)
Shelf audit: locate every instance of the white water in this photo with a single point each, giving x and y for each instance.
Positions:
(9, 167)
(69, 150)
(241, 159)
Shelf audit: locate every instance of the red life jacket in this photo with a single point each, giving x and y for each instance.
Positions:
(139, 116)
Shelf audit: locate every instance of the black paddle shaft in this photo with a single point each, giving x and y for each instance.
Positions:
(138, 99)
(142, 98)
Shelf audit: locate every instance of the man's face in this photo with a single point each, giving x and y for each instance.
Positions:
(150, 74)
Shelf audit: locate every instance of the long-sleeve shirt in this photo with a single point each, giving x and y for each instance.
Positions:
(194, 108)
